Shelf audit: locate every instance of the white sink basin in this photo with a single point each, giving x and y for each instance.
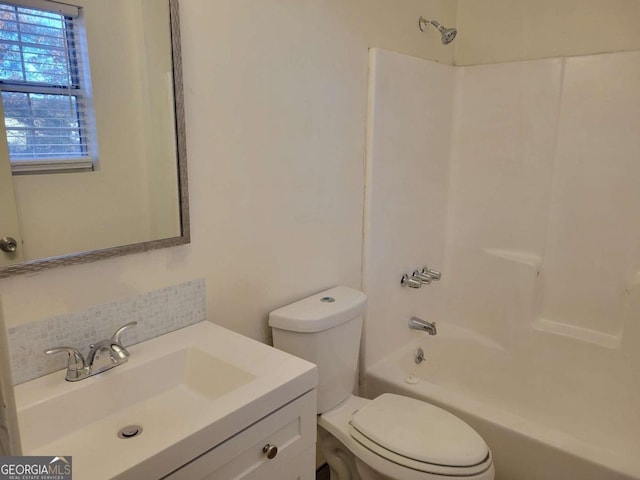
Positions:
(189, 390)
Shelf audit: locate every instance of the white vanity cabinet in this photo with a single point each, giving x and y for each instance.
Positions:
(245, 456)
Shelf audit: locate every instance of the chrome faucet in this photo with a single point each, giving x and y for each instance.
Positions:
(79, 369)
(416, 323)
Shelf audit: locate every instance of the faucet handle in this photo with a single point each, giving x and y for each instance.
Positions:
(434, 274)
(116, 336)
(411, 282)
(422, 276)
(76, 364)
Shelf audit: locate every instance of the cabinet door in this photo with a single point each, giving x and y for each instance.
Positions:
(292, 429)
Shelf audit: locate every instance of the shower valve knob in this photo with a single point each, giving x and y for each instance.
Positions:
(423, 277)
(412, 282)
(434, 274)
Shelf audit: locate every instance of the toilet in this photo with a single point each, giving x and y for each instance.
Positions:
(389, 438)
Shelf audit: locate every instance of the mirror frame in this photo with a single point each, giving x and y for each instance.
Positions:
(32, 266)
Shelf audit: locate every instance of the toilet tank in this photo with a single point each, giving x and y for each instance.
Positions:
(324, 329)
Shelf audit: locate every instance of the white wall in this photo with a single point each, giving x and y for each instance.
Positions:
(276, 105)
(492, 31)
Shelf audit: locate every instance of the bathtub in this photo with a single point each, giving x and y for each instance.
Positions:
(549, 410)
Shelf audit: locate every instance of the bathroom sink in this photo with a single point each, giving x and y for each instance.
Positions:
(177, 380)
(178, 396)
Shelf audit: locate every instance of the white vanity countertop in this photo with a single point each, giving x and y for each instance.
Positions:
(189, 390)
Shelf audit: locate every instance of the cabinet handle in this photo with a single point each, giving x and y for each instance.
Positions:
(270, 450)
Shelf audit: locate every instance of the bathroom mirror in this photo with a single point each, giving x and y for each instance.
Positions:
(134, 197)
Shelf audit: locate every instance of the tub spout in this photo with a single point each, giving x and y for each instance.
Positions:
(416, 323)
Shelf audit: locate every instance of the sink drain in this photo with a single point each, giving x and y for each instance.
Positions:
(130, 431)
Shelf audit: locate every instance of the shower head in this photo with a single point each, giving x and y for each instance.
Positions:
(448, 34)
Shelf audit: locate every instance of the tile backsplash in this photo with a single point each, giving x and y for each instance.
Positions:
(157, 312)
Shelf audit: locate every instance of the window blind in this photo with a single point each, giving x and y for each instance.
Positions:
(45, 92)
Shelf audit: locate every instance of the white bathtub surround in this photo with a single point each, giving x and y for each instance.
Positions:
(555, 415)
(526, 202)
(595, 194)
(561, 189)
(406, 193)
(496, 174)
(157, 312)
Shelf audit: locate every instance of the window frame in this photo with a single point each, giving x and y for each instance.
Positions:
(78, 87)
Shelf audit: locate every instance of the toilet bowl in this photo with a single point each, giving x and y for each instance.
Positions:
(391, 437)
(400, 438)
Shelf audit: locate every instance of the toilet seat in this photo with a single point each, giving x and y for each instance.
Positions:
(419, 436)
(337, 423)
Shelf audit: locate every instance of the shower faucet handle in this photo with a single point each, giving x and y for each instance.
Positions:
(434, 274)
(412, 282)
(423, 277)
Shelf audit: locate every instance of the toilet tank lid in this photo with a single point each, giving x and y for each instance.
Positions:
(321, 311)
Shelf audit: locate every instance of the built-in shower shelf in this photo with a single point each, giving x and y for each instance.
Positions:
(518, 256)
(606, 340)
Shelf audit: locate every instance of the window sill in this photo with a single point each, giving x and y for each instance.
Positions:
(51, 166)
